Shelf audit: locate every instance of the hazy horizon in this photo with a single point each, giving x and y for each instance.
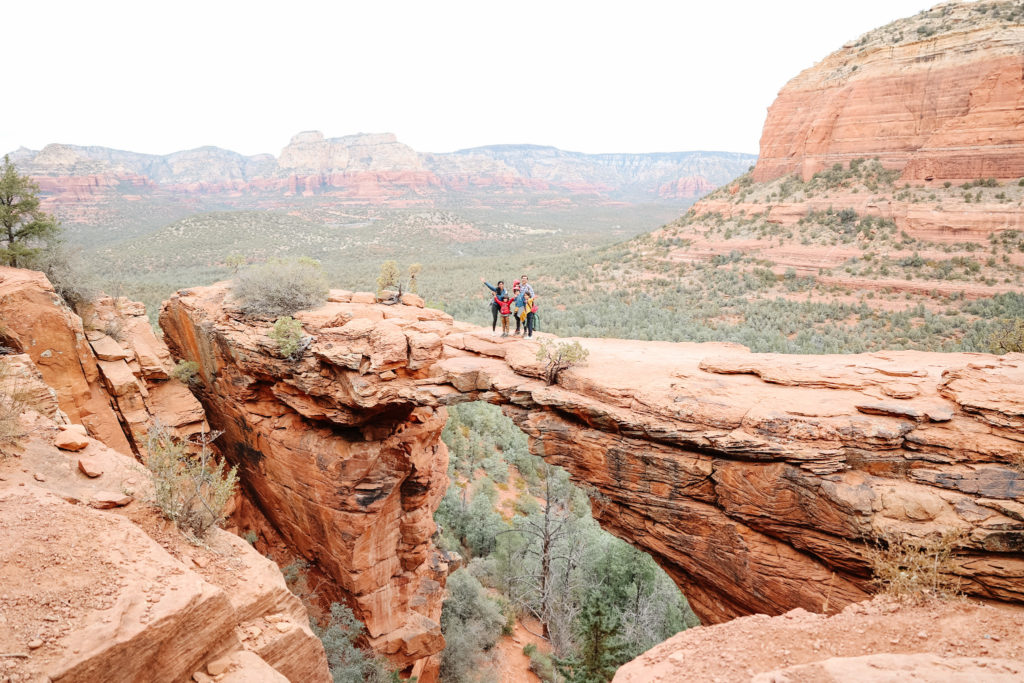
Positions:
(587, 77)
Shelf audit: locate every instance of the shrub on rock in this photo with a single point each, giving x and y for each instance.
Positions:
(281, 287)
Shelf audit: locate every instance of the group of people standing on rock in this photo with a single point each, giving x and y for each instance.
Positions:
(521, 303)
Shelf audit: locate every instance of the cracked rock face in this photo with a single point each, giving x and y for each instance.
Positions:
(109, 371)
(755, 480)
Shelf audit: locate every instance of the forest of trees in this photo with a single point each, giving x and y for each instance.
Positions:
(533, 550)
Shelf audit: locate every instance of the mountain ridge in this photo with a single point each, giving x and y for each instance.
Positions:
(312, 163)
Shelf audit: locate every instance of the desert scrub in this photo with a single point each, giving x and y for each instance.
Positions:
(347, 662)
(914, 569)
(559, 356)
(388, 277)
(281, 287)
(540, 663)
(1007, 337)
(13, 402)
(287, 334)
(190, 488)
(185, 371)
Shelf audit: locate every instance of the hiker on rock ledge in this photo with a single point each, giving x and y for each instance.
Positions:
(499, 293)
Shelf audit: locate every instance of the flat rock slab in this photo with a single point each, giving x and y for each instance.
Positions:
(106, 348)
(115, 584)
(104, 500)
(119, 377)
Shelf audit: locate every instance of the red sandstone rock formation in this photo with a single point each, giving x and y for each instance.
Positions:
(880, 640)
(350, 481)
(97, 587)
(753, 479)
(939, 96)
(110, 374)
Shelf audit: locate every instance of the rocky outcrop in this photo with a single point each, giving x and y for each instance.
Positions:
(111, 373)
(880, 640)
(939, 96)
(755, 480)
(349, 481)
(96, 586)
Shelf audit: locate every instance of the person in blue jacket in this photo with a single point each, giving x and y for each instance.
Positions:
(499, 292)
(519, 304)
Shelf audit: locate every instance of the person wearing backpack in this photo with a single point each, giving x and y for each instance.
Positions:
(531, 314)
(499, 291)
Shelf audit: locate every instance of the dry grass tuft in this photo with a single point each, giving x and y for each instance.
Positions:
(915, 569)
(13, 402)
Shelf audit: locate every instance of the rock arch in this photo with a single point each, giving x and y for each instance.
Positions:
(753, 479)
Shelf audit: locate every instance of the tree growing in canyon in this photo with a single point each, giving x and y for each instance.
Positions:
(25, 227)
(348, 662)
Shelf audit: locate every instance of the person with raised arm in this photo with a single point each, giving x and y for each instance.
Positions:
(499, 293)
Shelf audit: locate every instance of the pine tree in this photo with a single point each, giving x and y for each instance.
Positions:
(23, 226)
(600, 650)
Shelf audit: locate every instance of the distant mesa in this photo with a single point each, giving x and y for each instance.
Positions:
(370, 168)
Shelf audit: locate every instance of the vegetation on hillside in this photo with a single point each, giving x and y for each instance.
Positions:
(533, 551)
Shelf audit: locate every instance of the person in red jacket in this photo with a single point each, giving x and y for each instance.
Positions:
(505, 307)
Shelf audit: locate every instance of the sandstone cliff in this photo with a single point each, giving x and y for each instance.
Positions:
(914, 132)
(939, 96)
(755, 480)
(96, 586)
(110, 372)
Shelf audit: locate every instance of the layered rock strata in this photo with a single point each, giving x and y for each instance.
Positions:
(96, 586)
(350, 482)
(757, 481)
(939, 96)
(111, 373)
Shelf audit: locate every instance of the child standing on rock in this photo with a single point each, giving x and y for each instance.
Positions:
(505, 306)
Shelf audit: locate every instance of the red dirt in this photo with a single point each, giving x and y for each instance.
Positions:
(511, 665)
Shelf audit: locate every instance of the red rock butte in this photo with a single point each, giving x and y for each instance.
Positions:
(756, 481)
(939, 96)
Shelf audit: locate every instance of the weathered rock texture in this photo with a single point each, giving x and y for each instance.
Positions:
(97, 587)
(348, 478)
(111, 374)
(939, 96)
(753, 479)
(869, 642)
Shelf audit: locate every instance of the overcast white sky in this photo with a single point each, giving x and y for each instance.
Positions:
(629, 76)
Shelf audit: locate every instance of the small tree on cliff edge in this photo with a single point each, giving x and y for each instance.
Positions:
(24, 228)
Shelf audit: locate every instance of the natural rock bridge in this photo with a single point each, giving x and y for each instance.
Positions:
(755, 480)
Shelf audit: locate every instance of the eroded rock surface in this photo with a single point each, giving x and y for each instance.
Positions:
(110, 372)
(879, 640)
(97, 586)
(754, 479)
